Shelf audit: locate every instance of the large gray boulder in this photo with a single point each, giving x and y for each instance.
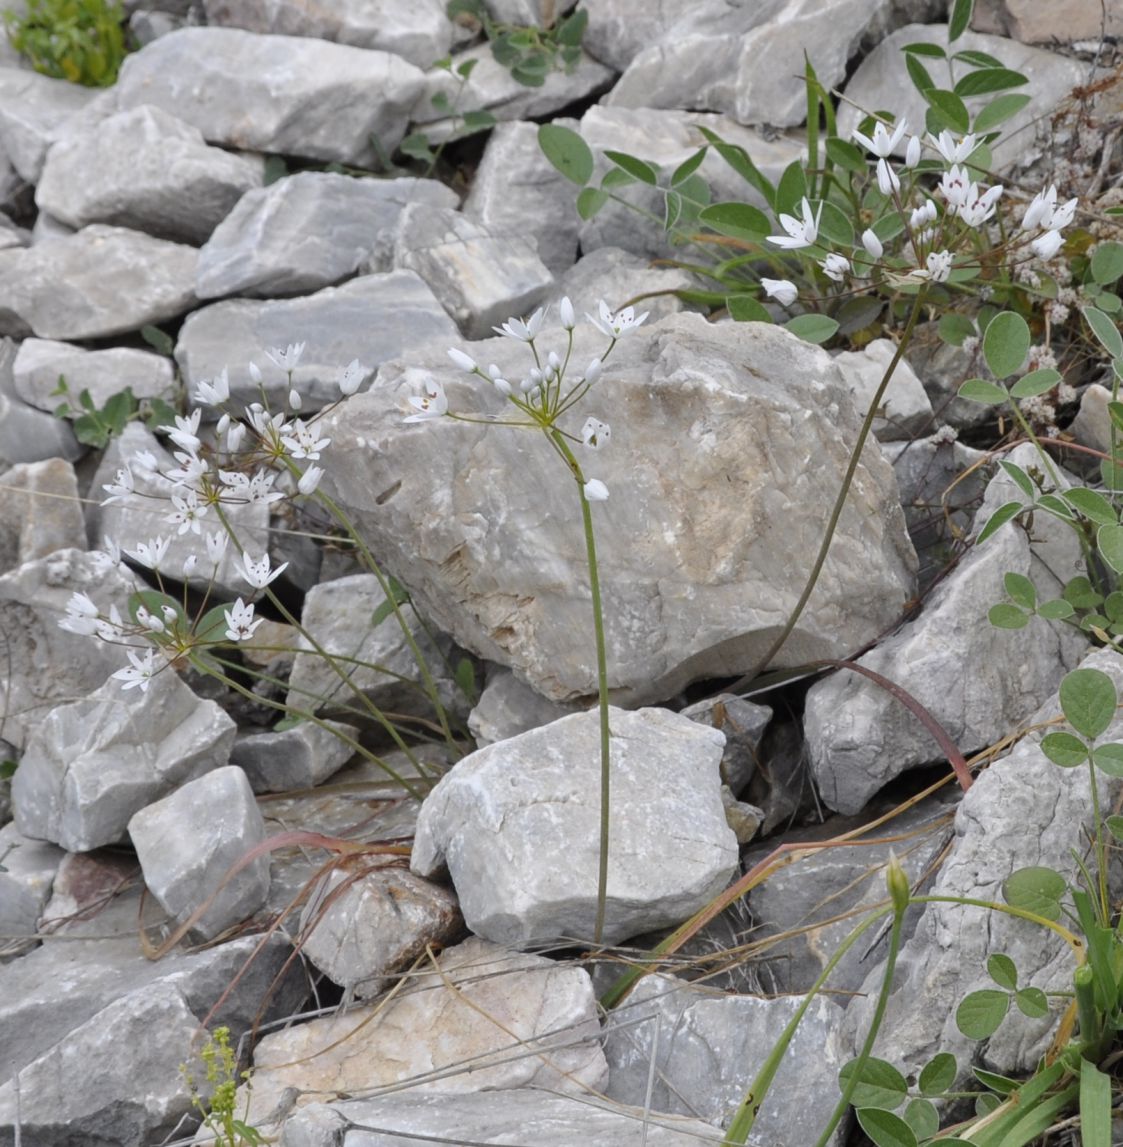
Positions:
(727, 442)
(40, 512)
(35, 111)
(287, 94)
(28, 434)
(505, 814)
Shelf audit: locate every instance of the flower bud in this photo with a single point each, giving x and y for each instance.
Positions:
(565, 313)
(295, 401)
(872, 243)
(593, 371)
(898, 884)
(595, 490)
(255, 372)
(912, 152)
(460, 359)
(784, 291)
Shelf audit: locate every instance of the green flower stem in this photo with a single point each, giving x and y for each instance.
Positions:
(746, 1113)
(843, 494)
(562, 447)
(1101, 849)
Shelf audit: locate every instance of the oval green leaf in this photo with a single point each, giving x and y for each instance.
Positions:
(880, 1084)
(1006, 343)
(1003, 971)
(1007, 616)
(999, 110)
(1107, 263)
(1021, 590)
(1088, 701)
(938, 1074)
(998, 519)
(986, 80)
(1064, 749)
(1037, 890)
(980, 1013)
(922, 1117)
(1109, 759)
(1105, 330)
(1036, 382)
(886, 1129)
(1020, 478)
(1115, 827)
(567, 151)
(637, 168)
(1032, 1002)
(590, 200)
(738, 220)
(812, 328)
(979, 390)
(688, 167)
(959, 19)
(747, 309)
(1095, 507)
(1056, 610)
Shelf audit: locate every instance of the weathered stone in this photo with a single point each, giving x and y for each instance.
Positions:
(710, 57)
(545, 1119)
(43, 665)
(365, 920)
(480, 278)
(709, 1046)
(859, 737)
(718, 431)
(275, 93)
(508, 707)
(1035, 23)
(420, 32)
(308, 231)
(101, 281)
(1022, 811)
(502, 817)
(147, 170)
(34, 112)
(618, 32)
(1092, 424)
(189, 843)
(298, 757)
(942, 369)
(94, 895)
(46, 227)
(517, 191)
(905, 411)
(133, 520)
(40, 512)
(11, 235)
(29, 868)
(41, 362)
(146, 26)
(742, 723)
(373, 318)
(376, 658)
(881, 81)
(440, 1034)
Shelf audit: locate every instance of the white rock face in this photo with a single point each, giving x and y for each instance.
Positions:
(906, 412)
(35, 111)
(505, 815)
(40, 362)
(145, 169)
(275, 93)
(728, 442)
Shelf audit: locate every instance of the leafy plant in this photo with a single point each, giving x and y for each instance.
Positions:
(77, 40)
(417, 144)
(221, 1076)
(95, 426)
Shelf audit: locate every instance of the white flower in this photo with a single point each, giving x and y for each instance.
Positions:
(140, 672)
(148, 620)
(189, 564)
(121, 488)
(1047, 245)
(258, 574)
(1061, 216)
(595, 433)
(261, 489)
(937, 269)
(81, 616)
(234, 436)
(295, 401)
(523, 332)
(595, 490)
(496, 376)
(286, 359)
(187, 513)
(979, 208)
(593, 371)
(872, 243)
(184, 432)
(215, 392)
(434, 404)
(255, 372)
(565, 314)
(462, 360)
(144, 463)
(951, 151)
(616, 326)
(352, 377)
(956, 186)
(240, 624)
(883, 144)
(189, 471)
(309, 480)
(887, 179)
(150, 553)
(835, 267)
(784, 291)
(216, 546)
(800, 232)
(912, 152)
(111, 629)
(923, 215)
(304, 441)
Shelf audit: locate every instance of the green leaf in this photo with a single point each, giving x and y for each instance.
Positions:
(857, 313)
(477, 121)
(950, 109)
(1107, 263)
(465, 677)
(567, 151)
(976, 58)
(954, 328)
(738, 220)
(1005, 513)
(1080, 593)
(738, 159)
(923, 48)
(1007, 616)
(1019, 477)
(938, 1074)
(1088, 701)
(1109, 759)
(984, 1105)
(1095, 1106)
(572, 30)
(1095, 507)
(747, 309)
(979, 390)
(812, 328)
(879, 1085)
(1115, 827)
(835, 226)
(212, 625)
(922, 1117)
(885, 1128)
(1056, 610)
(1105, 330)
(1109, 541)
(8, 768)
(1003, 971)
(289, 721)
(980, 1013)
(791, 188)
(1021, 590)
(1037, 890)
(638, 168)
(159, 341)
(688, 166)
(846, 155)
(1109, 302)
(590, 200)
(1064, 749)
(399, 595)
(1036, 382)
(1001, 1084)
(987, 80)
(999, 110)
(919, 74)
(616, 177)
(672, 210)
(1006, 343)
(416, 146)
(959, 19)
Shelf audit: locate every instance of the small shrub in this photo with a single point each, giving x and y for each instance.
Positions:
(77, 40)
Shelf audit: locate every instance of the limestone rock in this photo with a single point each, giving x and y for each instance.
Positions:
(35, 111)
(720, 433)
(145, 169)
(39, 512)
(906, 412)
(480, 278)
(742, 723)
(29, 868)
(101, 281)
(1062, 21)
(298, 757)
(507, 707)
(502, 817)
(296, 96)
(308, 231)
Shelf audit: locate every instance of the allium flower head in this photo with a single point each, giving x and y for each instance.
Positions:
(121, 488)
(836, 267)
(240, 623)
(187, 513)
(185, 431)
(523, 332)
(800, 232)
(616, 326)
(150, 553)
(937, 267)
(1047, 245)
(595, 433)
(304, 441)
(433, 404)
(81, 616)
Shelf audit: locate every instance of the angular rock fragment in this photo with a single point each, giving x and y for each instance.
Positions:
(298, 757)
(508, 707)
(905, 412)
(29, 868)
(40, 512)
(35, 111)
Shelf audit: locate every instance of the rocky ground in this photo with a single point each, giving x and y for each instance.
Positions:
(409, 968)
